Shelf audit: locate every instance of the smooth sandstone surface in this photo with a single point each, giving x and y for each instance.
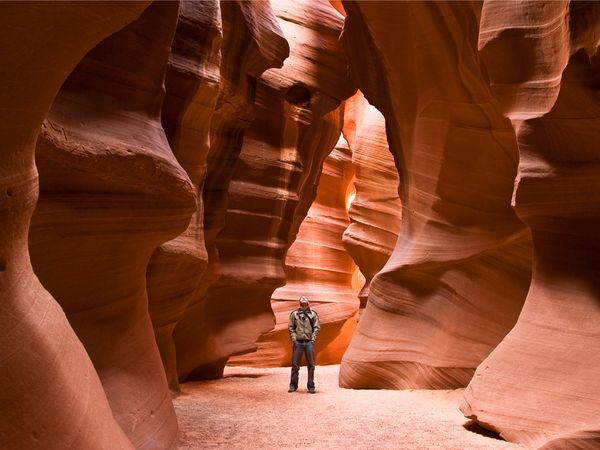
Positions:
(317, 266)
(189, 193)
(252, 42)
(297, 119)
(51, 395)
(192, 87)
(539, 386)
(111, 191)
(458, 276)
(375, 210)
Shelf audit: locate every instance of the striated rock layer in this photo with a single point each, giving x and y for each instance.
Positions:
(252, 42)
(192, 87)
(51, 396)
(297, 121)
(459, 273)
(316, 265)
(540, 386)
(111, 191)
(376, 210)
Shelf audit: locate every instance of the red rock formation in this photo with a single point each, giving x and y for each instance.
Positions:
(252, 42)
(297, 122)
(51, 396)
(540, 386)
(456, 281)
(316, 265)
(111, 192)
(192, 87)
(376, 210)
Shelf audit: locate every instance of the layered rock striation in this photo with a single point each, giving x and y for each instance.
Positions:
(192, 88)
(458, 276)
(111, 191)
(51, 395)
(252, 42)
(375, 210)
(539, 387)
(317, 266)
(273, 171)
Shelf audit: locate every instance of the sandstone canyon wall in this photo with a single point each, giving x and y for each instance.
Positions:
(540, 386)
(247, 51)
(191, 188)
(192, 86)
(51, 395)
(261, 188)
(111, 191)
(316, 265)
(458, 276)
(375, 211)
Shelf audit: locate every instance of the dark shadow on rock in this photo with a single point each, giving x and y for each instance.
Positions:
(244, 375)
(476, 428)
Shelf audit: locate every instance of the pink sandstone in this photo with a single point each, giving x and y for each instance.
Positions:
(316, 265)
(51, 395)
(376, 210)
(540, 387)
(273, 182)
(192, 86)
(111, 191)
(456, 281)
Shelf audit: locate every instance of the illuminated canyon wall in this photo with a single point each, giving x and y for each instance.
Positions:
(176, 175)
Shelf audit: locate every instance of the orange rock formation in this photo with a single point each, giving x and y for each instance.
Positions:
(192, 87)
(456, 280)
(51, 395)
(539, 386)
(185, 153)
(111, 191)
(376, 210)
(297, 121)
(316, 265)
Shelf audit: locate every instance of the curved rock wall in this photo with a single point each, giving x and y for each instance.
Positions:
(111, 191)
(376, 210)
(552, 398)
(484, 103)
(192, 87)
(297, 121)
(458, 276)
(316, 265)
(252, 42)
(51, 396)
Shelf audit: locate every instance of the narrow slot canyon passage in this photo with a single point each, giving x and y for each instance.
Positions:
(250, 408)
(180, 179)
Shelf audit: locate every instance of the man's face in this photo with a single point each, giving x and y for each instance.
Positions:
(304, 304)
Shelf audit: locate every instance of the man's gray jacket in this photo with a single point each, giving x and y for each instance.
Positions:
(304, 325)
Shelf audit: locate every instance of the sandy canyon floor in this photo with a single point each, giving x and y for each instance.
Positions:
(251, 409)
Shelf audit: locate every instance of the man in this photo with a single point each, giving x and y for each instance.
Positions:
(304, 327)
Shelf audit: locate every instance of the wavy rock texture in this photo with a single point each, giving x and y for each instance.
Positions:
(317, 265)
(192, 87)
(111, 192)
(458, 276)
(297, 121)
(51, 396)
(545, 360)
(252, 42)
(376, 210)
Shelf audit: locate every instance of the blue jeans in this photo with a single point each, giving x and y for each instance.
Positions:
(308, 349)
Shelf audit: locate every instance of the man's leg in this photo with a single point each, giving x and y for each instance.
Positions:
(310, 365)
(296, 355)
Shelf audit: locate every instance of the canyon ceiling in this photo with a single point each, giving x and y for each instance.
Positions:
(175, 175)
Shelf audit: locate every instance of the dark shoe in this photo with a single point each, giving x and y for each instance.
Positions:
(292, 389)
(311, 390)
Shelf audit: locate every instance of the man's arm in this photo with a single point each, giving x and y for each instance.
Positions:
(292, 327)
(316, 327)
